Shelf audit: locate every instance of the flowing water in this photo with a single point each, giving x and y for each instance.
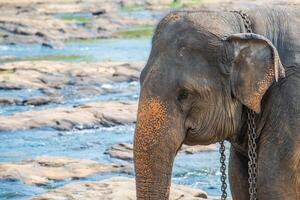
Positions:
(200, 170)
(93, 50)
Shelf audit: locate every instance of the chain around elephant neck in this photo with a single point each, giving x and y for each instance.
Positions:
(223, 171)
(252, 136)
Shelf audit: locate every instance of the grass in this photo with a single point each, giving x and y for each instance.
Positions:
(82, 18)
(56, 57)
(138, 31)
(6, 71)
(184, 3)
(132, 7)
(81, 41)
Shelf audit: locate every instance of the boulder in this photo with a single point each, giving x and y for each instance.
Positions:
(124, 151)
(89, 115)
(49, 75)
(46, 168)
(198, 148)
(53, 22)
(116, 188)
(40, 100)
(9, 100)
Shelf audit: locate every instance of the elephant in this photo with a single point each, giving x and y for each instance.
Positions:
(203, 73)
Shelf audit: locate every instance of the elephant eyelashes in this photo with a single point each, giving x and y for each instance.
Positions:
(182, 95)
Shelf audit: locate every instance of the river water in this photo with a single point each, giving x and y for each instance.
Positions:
(200, 170)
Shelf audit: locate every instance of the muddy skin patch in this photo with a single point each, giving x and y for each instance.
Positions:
(151, 122)
(254, 101)
(150, 127)
(171, 17)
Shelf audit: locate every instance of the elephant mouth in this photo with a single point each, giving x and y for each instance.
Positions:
(195, 137)
(178, 149)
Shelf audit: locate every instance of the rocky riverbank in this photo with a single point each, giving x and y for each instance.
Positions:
(52, 23)
(57, 83)
(124, 151)
(85, 116)
(116, 188)
(69, 84)
(43, 169)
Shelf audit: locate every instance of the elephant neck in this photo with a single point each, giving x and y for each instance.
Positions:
(239, 140)
(269, 121)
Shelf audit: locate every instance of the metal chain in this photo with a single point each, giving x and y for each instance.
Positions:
(252, 163)
(252, 155)
(252, 136)
(246, 20)
(223, 171)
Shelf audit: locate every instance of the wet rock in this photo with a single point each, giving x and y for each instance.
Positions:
(99, 12)
(9, 101)
(46, 168)
(198, 148)
(51, 23)
(124, 151)
(37, 101)
(48, 75)
(90, 115)
(116, 188)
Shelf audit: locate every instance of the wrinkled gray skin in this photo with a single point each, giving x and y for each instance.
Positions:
(204, 71)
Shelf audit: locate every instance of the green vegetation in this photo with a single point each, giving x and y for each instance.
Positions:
(50, 186)
(75, 17)
(184, 3)
(138, 31)
(81, 41)
(55, 57)
(132, 7)
(6, 71)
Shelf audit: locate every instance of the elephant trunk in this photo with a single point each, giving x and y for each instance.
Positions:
(155, 146)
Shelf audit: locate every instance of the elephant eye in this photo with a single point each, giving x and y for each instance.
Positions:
(182, 95)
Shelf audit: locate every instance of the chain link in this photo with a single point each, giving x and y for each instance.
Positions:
(252, 155)
(246, 20)
(252, 136)
(223, 171)
(252, 163)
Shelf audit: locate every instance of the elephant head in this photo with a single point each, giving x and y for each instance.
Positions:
(198, 77)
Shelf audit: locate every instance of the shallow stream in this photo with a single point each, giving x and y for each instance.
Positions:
(200, 170)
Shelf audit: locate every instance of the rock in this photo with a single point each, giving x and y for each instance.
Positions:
(89, 115)
(9, 101)
(45, 168)
(37, 101)
(121, 151)
(99, 12)
(47, 75)
(51, 23)
(116, 188)
(124, 151)
(198, 148)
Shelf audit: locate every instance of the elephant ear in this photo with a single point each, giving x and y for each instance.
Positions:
(256, 65)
